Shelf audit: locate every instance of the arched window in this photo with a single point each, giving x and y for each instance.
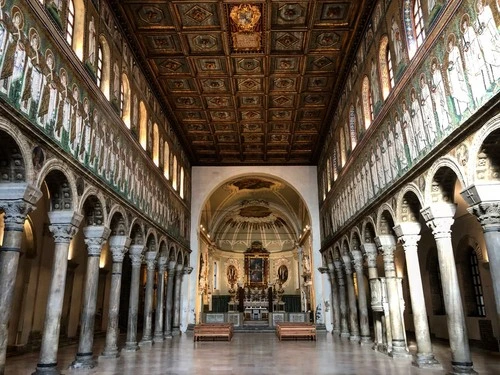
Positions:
(328, 175)
(103, 66)
(75, 26)
(367, 102)
(143, 125)
(125, 100)
(342, 148)
(414, 25)
(166, 161)
(174, 173)
(385, 64)
(156, 145)
(352, 127)
(335, 167)
(181, 179)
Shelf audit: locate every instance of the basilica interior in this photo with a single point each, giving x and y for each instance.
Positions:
(169, 164)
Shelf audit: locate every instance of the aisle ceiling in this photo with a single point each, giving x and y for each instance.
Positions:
(246, 82)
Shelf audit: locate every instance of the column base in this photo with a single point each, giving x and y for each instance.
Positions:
(399, 353)
(131, 347)
(427, 361)
(458, 368)
(110, 353)
(354, 338)
(366, 340)
(168, 335)
(336, 332)
(159, 337)
(381, 348)
(345, 334)
(146, 342)
(176, 332)
(83, 361)
(49, 369)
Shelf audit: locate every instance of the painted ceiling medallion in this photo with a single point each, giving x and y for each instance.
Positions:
(245, 24)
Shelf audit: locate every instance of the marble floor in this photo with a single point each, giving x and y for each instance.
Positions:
(252, 354)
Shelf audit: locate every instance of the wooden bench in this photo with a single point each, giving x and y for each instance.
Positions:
(213, 331)
(296, 331)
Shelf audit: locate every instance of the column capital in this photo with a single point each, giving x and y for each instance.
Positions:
(118, 245)
(481, 193)
(357, 260)
(187, 270)
(371, 252)
(385, 241)
(135, 253)
(172, 264)
(439, 218)
(95, 236)
(150, 259)
(19, 191)
(488, 214)
(63, 225)
(347, 264)
(15, 212)
(179, 271)
(323, 270)
(162, 264)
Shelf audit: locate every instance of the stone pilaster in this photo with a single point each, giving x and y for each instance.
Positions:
(159, 335)
(335, 299)
(387, 245)
(351, 297)
(439, 218)
(179, 273)
(484, 203)
(17, 201)
(136, 256)
(95, 237)
(63, 225)
(408, 235)
(357, 262)
(147, 337)
(170, 299)
(118, 246)
(344, 328)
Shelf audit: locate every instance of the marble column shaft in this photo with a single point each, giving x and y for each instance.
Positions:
(63, 226)
(160, 301)
(344, 327)
(335, 299)
(387, 245)
(147, 328)
(408, 235)
(371, 253)
(94, 236)
(351, 296)
(169, 299)
(439, 218)
(177, 299)
(136, 256)
(488, 214)
(118, 246)
(15, 214)
(357, 261)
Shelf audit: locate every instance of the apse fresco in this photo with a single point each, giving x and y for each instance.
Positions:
(450, 81)
(42, 87)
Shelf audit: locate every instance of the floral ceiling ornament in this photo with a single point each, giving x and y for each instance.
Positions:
(245, 17)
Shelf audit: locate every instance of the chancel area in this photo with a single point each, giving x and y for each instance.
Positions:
(168, 165)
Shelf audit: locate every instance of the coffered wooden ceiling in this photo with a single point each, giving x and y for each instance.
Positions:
(246, 82)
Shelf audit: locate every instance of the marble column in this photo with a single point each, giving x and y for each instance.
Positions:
(179, 273)
(17, 202)
(357, 262)
(371, 253)
(408, 235)
(351, 297)
(63, 225)
(484, 204)
(387, 244)
(160, 301)
(118, 246)
(169, 298)
(439, 218)
(147, 327)
(335, 299)
(344, 328)
(135, 253)
(95, 237)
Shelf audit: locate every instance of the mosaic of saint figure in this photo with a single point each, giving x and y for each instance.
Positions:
(92, 44)
(33, 77)
(398, 43)
(393, 156)
(488, 38)
(408, 131)
(417, 122)
(64, 106)
(400, 143)
(373, 169)
(374, 83)
(50, 95)
(12, 71)
(439, 96)
(430, 127)
(456, 78)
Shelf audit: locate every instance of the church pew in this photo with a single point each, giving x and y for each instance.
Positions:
(296, 331)
(213, 331)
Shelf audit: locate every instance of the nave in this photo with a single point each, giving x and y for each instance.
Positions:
(256, 354)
